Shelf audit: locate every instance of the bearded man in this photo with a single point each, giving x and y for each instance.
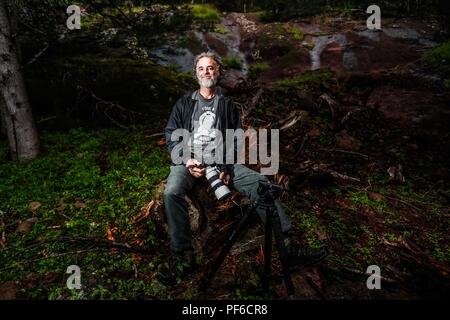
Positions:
(206, 113)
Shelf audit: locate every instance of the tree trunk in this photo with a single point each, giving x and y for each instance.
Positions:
(16, 111)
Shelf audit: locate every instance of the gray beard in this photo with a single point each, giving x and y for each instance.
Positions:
(208, 83)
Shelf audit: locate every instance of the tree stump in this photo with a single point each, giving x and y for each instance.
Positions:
(211, 220)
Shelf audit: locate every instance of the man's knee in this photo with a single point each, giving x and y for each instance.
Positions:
(176, 186)
(254, 176)
(253, 188)
(259, 178)
(174, 191)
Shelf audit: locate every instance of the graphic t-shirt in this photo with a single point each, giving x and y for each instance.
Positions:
(204, 122)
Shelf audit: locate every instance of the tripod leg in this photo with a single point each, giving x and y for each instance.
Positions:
(225, 249)
(267, 250)
(282, 253)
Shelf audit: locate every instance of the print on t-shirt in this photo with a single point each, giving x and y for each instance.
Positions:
(204, 133)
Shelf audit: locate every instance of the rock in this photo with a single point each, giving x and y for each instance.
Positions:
(376, 51)
(332, 56)
(246, 25)
(347, 142)
(26, 226)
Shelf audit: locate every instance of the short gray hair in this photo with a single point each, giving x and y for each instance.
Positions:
(208, 54)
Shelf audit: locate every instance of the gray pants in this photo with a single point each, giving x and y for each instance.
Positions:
(180, 181)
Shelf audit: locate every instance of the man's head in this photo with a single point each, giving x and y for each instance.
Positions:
(207, 69)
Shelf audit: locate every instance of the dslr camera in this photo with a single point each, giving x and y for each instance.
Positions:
(212, 173)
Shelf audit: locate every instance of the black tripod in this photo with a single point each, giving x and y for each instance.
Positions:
(268, 192)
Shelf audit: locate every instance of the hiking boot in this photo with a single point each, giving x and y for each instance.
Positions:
(178, 266)
(301, 255)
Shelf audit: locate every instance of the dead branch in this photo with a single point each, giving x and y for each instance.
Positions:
(145, 211)
(333, 105)
(248, 246)
(106, 106)
(315, 287)
(131, 22)
(52, 256)
(346, 117)
(46, 119)
(118, 106)
(290, 120)
(363, 274)
(345, 151)
(341, 176)
(155, 135)
(414, 254)
(37, 55)
(335, 174)
(110, 118)
(107, 243)
(404, 202)
(32, 28)
(99, 10)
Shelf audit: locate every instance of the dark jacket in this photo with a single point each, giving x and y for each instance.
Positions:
(227, 117)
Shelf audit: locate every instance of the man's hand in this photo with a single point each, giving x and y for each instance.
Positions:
(226, 178)
(192, 166)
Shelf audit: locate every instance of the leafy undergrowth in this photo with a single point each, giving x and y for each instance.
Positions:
(205, 14)
(86, 184)
(404, 232)
(438, 59)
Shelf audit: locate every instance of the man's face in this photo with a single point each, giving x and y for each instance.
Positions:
(207, 72)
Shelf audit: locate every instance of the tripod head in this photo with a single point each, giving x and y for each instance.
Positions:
(269, 191)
